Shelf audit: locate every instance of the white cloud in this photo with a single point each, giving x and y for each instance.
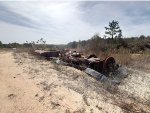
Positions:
(61, 22)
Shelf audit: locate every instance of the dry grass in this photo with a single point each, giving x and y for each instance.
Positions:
(132, 108)
(123, 57)
(141, 62)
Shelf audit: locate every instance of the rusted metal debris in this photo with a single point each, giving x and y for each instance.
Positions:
(47, 54)
(75, 59)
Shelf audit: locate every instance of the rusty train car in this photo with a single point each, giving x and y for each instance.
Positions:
(75, 59)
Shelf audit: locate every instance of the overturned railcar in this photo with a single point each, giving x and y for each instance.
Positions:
(76, 60)
(47, 54)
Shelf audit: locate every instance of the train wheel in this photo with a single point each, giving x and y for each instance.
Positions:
(109, 64)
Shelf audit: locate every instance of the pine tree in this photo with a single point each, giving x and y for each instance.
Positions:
(113, 30)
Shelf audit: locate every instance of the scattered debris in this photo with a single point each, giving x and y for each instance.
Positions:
(37, 95)
(103, 70)
(11, 96)
(55, 104)
(47, 54)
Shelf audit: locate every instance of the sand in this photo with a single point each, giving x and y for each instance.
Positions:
(34, 85)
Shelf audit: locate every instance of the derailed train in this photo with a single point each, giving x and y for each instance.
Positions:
(75, 59)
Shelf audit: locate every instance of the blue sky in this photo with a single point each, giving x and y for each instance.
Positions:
(61, 22)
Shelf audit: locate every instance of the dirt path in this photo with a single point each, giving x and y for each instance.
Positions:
(17, 94)
(31, 85)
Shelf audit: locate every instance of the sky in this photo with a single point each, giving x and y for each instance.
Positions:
(60, 22)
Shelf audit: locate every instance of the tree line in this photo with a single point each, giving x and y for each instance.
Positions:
(112, 40)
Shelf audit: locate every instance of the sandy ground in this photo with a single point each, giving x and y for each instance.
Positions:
(34, 85)
(17, 94)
